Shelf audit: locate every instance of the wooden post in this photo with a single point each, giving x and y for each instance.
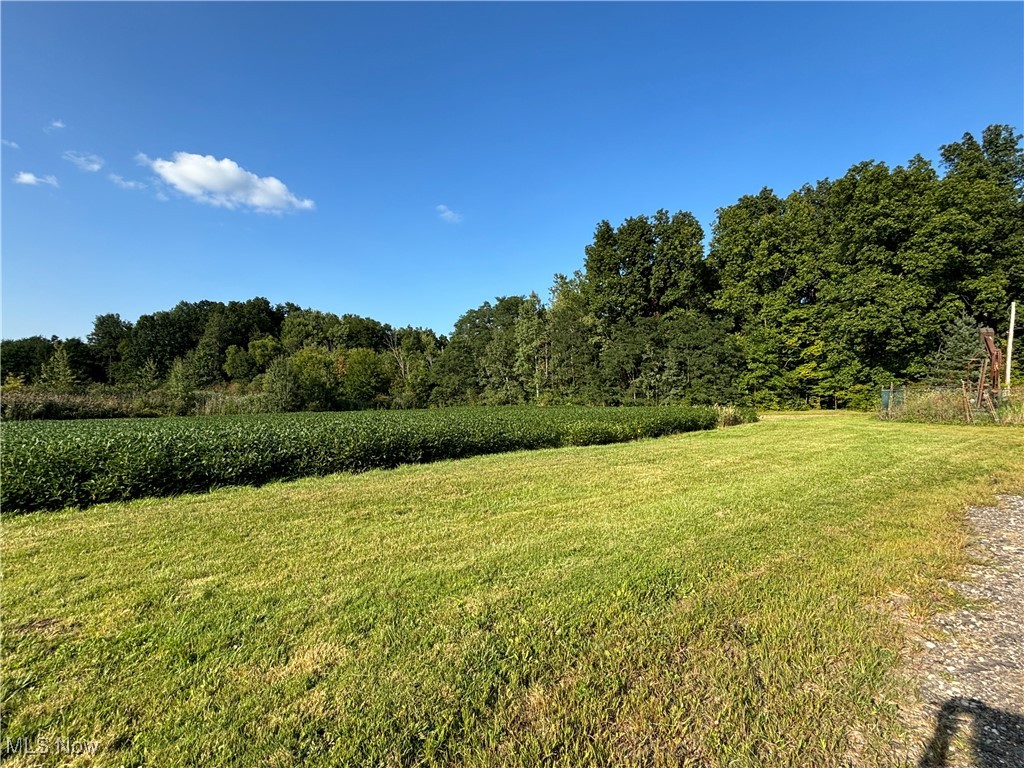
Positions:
(967, 402)
(981, 382)
(1009, 343)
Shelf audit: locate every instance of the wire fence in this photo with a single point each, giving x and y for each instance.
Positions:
(949, 404)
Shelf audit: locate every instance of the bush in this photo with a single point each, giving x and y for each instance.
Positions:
(49, 465)
(733, 415)
(1011, 411)
(225, 404)
(23, 404)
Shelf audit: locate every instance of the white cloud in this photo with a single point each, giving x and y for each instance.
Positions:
(10, 144)
(84, 160)
(55, 125)
(224, 183)
(124, 183)
(31, 179)
(447, 214)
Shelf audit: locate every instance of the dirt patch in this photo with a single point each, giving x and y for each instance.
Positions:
(47, 627)
(970, 668)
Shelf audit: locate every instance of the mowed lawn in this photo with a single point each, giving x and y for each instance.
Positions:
(716, 599)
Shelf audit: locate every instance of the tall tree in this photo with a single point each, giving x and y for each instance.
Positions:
(573, 342)
(532, 356)
(24, 358)
(364, 379)
(744, 257)
(412, 352)
(317, 373)
(108, 333)
(647, 266)
(363, 333)
(312, 328)
(497, 371)
(163, 337)
(680, 277)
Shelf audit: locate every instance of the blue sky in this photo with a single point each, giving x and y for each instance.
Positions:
(142, 141)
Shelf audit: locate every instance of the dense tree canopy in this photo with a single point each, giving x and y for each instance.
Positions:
(817, 297)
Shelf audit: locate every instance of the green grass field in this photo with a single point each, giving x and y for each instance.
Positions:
(713, 599)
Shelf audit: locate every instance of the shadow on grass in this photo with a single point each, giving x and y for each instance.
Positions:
(996, 736)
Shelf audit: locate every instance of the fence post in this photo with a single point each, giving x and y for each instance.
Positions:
(1009, 343)
(967, 403)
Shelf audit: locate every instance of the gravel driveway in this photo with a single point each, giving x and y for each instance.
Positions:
(972, 679)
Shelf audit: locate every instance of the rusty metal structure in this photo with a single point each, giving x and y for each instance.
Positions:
(986, 394)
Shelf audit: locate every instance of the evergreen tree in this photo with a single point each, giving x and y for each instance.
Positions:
(961, 344)
(56, 374)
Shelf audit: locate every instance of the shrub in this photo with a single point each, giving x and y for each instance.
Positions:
(25, 403)
(1011, 411)
(733, 415)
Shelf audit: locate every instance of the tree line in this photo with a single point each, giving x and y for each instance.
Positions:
(816, 298)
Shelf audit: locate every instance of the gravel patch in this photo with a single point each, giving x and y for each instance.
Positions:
(971, 671)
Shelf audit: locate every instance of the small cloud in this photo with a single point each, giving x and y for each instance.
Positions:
(124, 183)
(32, 180)
(55, 125)
(447, 214)
(224, 183)
(10, 144)
(84, 160)
(141, 158)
